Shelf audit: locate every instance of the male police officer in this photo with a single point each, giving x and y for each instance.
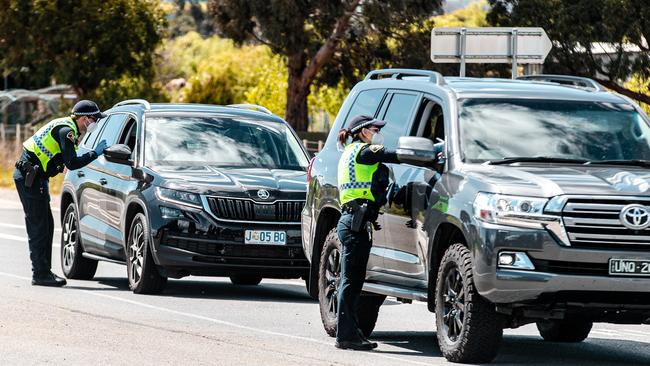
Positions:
(44, 155)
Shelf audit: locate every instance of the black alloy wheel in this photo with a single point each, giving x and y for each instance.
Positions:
(144, 276)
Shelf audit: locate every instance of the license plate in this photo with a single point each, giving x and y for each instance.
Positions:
(629, 267)
(265, 237)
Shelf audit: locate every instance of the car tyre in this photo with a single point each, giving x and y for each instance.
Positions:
(469, 330)
(245, 280)
(73, 264)
(329, 276)
(144, 276)
(567, 331)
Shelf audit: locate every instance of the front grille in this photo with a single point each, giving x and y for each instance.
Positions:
(595, 224)
(242, 209)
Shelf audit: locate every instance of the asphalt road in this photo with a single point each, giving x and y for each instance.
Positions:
(208, 321)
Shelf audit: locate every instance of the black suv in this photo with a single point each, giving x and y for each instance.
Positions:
(538, 213)
(187, 190)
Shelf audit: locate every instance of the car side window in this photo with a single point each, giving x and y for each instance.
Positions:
(129, 135)
(398, 118)
(367, 102)
(430, 122)
(90, 139)
(111, 131)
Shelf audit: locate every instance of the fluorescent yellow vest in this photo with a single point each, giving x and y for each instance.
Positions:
(354, 179)
(44, 145)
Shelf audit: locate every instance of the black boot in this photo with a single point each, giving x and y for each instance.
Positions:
(360, 345)
(48, 279)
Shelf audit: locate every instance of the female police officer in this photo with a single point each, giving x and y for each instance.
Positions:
(362, 181)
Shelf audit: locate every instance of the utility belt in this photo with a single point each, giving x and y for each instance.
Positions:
(30, 171)
(362, 211)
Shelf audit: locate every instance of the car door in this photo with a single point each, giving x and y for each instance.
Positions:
(398, 111)
(414, 191)
(97, 207)
(85, 182)
(119, 182)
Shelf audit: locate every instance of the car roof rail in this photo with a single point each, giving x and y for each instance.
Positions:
(254, 107)
(434, 76)
(576, 81)
(147, 105)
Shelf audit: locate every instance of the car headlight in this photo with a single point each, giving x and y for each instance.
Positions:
(178, 197)
(489, 207)
(518, 211)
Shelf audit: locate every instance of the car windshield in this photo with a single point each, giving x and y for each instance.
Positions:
(223, 141)
(493, 129)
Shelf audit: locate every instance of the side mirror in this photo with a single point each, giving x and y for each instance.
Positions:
(119, 154)
(416, 151)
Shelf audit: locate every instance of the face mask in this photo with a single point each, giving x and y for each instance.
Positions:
(91, 127)
(377, 139)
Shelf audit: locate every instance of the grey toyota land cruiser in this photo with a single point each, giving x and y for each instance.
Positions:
(537, 213)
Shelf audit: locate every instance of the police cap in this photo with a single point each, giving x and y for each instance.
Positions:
(364, 121)
(87, 108)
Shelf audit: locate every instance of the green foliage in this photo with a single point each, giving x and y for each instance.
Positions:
(640, 85)
(334, 39)
(80, 43)
(219, 72)
(474, 15)
(574, 26)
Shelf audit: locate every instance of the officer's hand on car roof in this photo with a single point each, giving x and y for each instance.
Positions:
(101, 146)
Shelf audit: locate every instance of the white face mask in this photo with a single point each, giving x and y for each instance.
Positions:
(377, 139)
(91, 127)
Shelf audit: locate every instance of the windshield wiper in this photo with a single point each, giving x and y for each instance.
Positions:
(633, 162)
(536, 159)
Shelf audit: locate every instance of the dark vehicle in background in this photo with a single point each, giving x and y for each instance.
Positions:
(187, 190)
(538, 212)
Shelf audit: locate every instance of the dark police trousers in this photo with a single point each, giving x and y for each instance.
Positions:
(38, 220)
(355, 251)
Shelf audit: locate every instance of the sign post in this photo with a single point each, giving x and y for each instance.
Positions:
(489, 45)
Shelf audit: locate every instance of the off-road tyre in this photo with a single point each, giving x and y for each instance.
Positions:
(566, 331)
(328, 282)
(469, 330)
(369, 312)
(329, 275)
(245, 280)
(73, 264)
(142, 272)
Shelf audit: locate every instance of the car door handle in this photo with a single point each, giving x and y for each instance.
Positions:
(103, 181)
(80, 174)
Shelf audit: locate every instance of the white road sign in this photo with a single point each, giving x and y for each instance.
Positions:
(489, 45)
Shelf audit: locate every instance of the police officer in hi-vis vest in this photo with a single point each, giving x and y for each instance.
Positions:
(44, 155)
(362, 181)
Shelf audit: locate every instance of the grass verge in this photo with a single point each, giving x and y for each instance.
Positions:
(9, 153)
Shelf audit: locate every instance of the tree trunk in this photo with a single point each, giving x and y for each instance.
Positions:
(302, 75)
(297, 92)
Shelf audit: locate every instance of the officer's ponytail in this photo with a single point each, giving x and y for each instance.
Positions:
(343, 136)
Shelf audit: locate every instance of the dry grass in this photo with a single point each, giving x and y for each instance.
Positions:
(9, 153)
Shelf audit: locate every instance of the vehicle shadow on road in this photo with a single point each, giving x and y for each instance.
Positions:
(528, 350)
(217, 290)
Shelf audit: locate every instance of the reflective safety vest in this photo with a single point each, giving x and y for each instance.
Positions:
(44, 145)
(354, 179)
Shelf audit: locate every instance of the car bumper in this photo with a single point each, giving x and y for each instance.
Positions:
(204, 246)
(561, 273)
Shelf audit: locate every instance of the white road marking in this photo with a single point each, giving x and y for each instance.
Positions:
(6, 204)
(16, 226)
(22, 239)
(223, 322)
